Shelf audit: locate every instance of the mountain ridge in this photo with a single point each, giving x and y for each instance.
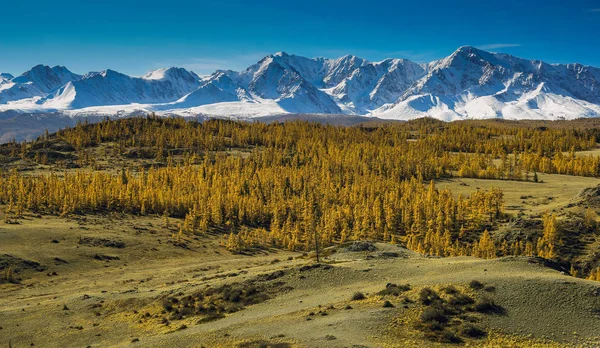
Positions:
(469, 83)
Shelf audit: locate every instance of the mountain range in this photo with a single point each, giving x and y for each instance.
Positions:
(470, 83)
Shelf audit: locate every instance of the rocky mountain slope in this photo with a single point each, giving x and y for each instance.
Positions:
(470, 83)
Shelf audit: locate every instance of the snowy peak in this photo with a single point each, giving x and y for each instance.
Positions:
(372, 85)
(46, 78)
(290, 81)
(217, 88)
(339, 69)
(472, 71)
(110, 87)
(469, 83)
(172, 74)
(158, 74)
(34, 83)
(472, 83)
(64, 74)
(320, 72)
(306, 68)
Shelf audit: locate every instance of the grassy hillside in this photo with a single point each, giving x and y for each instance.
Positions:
(150, 231)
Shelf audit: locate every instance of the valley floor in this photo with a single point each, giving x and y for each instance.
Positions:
(101, 281)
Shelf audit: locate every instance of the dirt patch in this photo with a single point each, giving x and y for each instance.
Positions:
(361, 246)
(315, 266)
(590, 192)
(103, 242)
(557, 266)
(19, 265)
(12, 268)
(263, 344)
(589, 196)
(519, 229)
(392, 255)
(100, 257)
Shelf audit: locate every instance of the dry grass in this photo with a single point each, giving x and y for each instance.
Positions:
(111, 298)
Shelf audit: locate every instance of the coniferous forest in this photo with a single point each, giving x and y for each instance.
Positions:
(296, 185)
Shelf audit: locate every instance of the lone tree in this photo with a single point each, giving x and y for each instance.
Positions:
(317, 245)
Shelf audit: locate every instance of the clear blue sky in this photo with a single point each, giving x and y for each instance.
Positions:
(137, 36)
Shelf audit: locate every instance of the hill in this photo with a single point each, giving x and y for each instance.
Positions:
(159, 231)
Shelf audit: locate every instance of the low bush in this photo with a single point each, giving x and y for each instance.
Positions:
(427, 296)
(473, 331)
(394, 289)
(450, 289)
(434, 314)
(487, 305)
(357, 296)
(476, 285)
(359, 246)
(459, 299)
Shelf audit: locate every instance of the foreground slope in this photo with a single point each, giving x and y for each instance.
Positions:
(102, 294)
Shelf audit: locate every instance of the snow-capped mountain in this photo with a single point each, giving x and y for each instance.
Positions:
(5, 81)
(469, 83)
(5, 78)
(46, 78)
(477, 84)
(37, 82)
(373, 85)
(113, 88)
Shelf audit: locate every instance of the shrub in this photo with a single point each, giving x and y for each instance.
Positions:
(487, 305)
(357, 296)
(447, 336)
(404, 287)
(167, 306)
(394, 289)
(441, 334)
(428, 296)
(450, 289)
(210, 318)
(470, 330)
(476, 285)
(388, 304)
(234, 295)
(434, 315)
(459, 299)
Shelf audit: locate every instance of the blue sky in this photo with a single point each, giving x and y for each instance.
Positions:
(137, 36)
